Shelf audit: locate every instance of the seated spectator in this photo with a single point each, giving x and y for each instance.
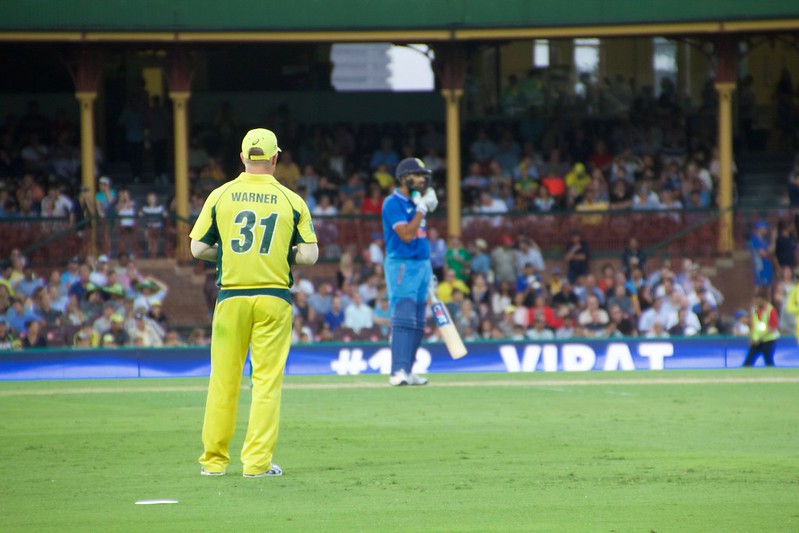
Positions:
(56, 204)
(529, 252)
(740, 327)
(544, 202)
(709, 319)
(539, 331)
(8, 340)
(620, 324)
(108, 341)
(34, 337)
(686, 324)
(566, 296)
(521, 314)
(568, 329)
(29, 282)
(468, 321)
(586, 287)
(507, 322)
(481, 261)
(593, 316)
(117, 330)
(480, 294)
(334, 317)
(102, 323)
(287, 171)
(601, 158)
(20, 314)
(482, 149)
(458, 258)
(373, 203)
(438, 252)
(198, 337)
(474, 183)
(656, 313)
(148, 291)
(555, 184)
(382, 316)
(357, 315)
(591, 203)
(621, 195)
(503, 260)
(325, 207)
(322, 300)
(620, 298)
(578, 179)
(528, 281)
(540, 308)
(385, 155)
(645, 198)
(501, 298)
(657, 331)
(490, 205)
(145, 332)
(448, 285)
(84, 338)
(156, 314)
(173, 339)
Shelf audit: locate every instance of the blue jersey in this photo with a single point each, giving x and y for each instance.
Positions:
(399, 209)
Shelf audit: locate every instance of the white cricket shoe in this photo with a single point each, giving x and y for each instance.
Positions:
(274, 470)
(414, 379)
(205, 472)
(398, 378)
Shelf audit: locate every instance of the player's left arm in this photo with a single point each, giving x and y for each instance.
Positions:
(306, 251)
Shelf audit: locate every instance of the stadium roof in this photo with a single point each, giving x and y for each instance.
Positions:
(331, 20)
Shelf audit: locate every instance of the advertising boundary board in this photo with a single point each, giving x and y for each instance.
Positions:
(371, 358)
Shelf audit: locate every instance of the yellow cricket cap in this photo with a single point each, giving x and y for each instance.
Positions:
(260, 138)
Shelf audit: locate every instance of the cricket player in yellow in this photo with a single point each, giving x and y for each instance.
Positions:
(254, 228)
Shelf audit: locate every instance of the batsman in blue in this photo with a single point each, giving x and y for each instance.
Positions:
(408, 270)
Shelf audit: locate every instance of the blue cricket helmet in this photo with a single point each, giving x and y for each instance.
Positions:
(411, 165)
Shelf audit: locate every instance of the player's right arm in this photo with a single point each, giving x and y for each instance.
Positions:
(407, 231)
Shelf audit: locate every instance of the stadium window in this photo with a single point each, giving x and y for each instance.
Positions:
(381, 67)
(586, 62)
(664, 61)
(541, 53)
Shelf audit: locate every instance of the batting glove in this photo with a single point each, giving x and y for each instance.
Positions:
(430, 199)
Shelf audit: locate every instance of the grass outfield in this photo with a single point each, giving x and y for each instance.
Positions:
(642, 451)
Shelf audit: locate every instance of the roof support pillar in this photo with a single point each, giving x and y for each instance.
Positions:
(726, 78)
(450, 66)
(180, 75)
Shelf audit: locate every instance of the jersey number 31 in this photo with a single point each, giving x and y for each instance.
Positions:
(246, 221)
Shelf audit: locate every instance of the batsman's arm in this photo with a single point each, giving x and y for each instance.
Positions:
(410, 230)
(203, 251)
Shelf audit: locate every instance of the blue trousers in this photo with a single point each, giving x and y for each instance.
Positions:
(407, 281)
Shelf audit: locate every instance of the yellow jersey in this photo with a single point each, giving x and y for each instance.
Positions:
(255, 221)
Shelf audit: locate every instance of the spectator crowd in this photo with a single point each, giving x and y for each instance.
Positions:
(96, 302)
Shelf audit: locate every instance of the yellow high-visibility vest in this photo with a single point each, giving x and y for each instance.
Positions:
(760, 331)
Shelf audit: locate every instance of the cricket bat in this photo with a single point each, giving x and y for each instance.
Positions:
(445, 326)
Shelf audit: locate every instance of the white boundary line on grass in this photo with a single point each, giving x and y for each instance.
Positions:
(373, 385)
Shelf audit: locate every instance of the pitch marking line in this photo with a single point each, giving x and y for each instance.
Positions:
(450, 384)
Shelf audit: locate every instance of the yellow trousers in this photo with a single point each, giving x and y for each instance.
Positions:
(264, 323)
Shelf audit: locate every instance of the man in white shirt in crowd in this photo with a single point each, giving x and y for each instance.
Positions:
(358, 315)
